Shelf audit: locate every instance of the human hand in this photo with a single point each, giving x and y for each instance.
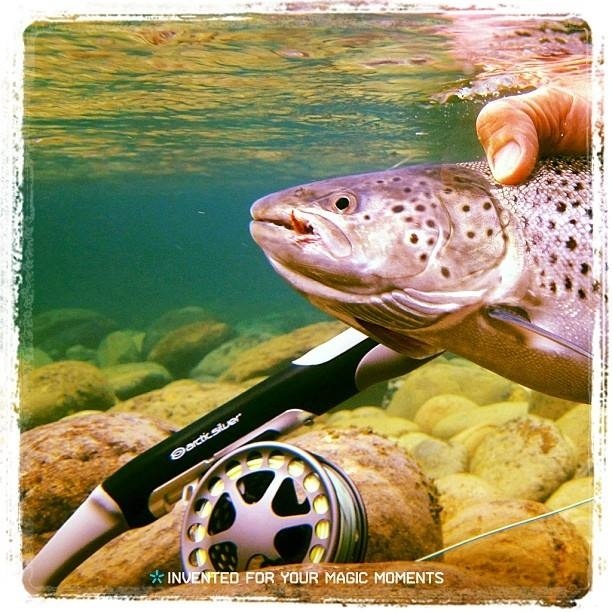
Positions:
(517, 130)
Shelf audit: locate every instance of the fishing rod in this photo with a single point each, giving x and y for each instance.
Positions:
(149, 486)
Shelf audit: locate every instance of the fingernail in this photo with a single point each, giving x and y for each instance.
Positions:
(506, 160)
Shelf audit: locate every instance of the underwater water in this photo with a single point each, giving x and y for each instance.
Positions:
(146, 304)
(146, 142)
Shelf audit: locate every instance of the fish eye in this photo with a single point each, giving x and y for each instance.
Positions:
(343, 203)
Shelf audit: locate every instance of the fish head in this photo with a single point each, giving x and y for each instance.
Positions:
(424, 240)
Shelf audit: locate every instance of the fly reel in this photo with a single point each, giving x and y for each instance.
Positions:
(267, 504)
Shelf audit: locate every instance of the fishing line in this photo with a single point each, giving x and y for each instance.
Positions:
(486, 534)
(400, 163)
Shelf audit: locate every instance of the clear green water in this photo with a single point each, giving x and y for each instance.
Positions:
(146, 142)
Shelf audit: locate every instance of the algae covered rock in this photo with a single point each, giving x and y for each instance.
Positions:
(548, 406)
(491, 414)
(575, 424)
(58, 389)
(122, 346)
(440, 406)
(56, 330)
(435, 457)
(471, 437)
(526, 458)
(374, 418)
(78, 352)
(220, 359)
(541, 553)
(457, 491)
(180, 349)
(169, 321)
(401, 503)
(182, 401)
(130, 379)
(272, 355)
(571, 492)
(455, 376)
(62, 462)
(32, 357)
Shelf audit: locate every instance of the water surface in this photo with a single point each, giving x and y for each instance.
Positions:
(146, 142)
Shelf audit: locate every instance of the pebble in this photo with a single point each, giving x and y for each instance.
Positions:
(122, 346)
(527, 458)
(61, 388)
(181, 349)
(455, 376)
(169, 321)
(400, 500)
(62, 462)
(541, 553)
(272, 355)
(373, 418)
(492, 414)
(131, 379)
(56, 330)
(570, 492)
(436, 457)
(182, 401)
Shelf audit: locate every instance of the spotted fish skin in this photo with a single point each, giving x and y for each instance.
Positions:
(425, 258)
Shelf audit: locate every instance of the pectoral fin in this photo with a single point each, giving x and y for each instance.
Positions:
(518, 319)
(403, 344)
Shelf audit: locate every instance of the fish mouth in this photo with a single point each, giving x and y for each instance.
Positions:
(282, 231)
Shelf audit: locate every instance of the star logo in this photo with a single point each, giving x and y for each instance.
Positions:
(156, 577)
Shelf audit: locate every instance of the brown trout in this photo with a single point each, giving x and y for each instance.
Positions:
(435, 258)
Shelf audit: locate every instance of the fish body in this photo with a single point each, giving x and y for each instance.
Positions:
(435, 258)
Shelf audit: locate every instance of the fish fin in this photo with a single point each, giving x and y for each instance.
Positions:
(517, 317)
(398, 342)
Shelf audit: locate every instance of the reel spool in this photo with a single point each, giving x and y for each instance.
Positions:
(267, 504)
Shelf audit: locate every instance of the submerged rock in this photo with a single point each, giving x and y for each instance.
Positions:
(32, 357)
(122, 346)
(526, 458)
(272, 355)
(130, 379)
(173, 319)
(401, 502)
(455, 376)
(570, 492)
(461, 490)
(278, 323)
(56, 330)
(62, 462)
(78, 352)
(182, 401)
(491, 414)
(575, 424)
(548, 406)
(373, 418)
(215, 363)
(58, 389)
(180, 349)
(435, 457)
(547, 553)
(438, 407)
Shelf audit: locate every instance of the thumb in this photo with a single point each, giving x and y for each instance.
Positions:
(515, 131)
